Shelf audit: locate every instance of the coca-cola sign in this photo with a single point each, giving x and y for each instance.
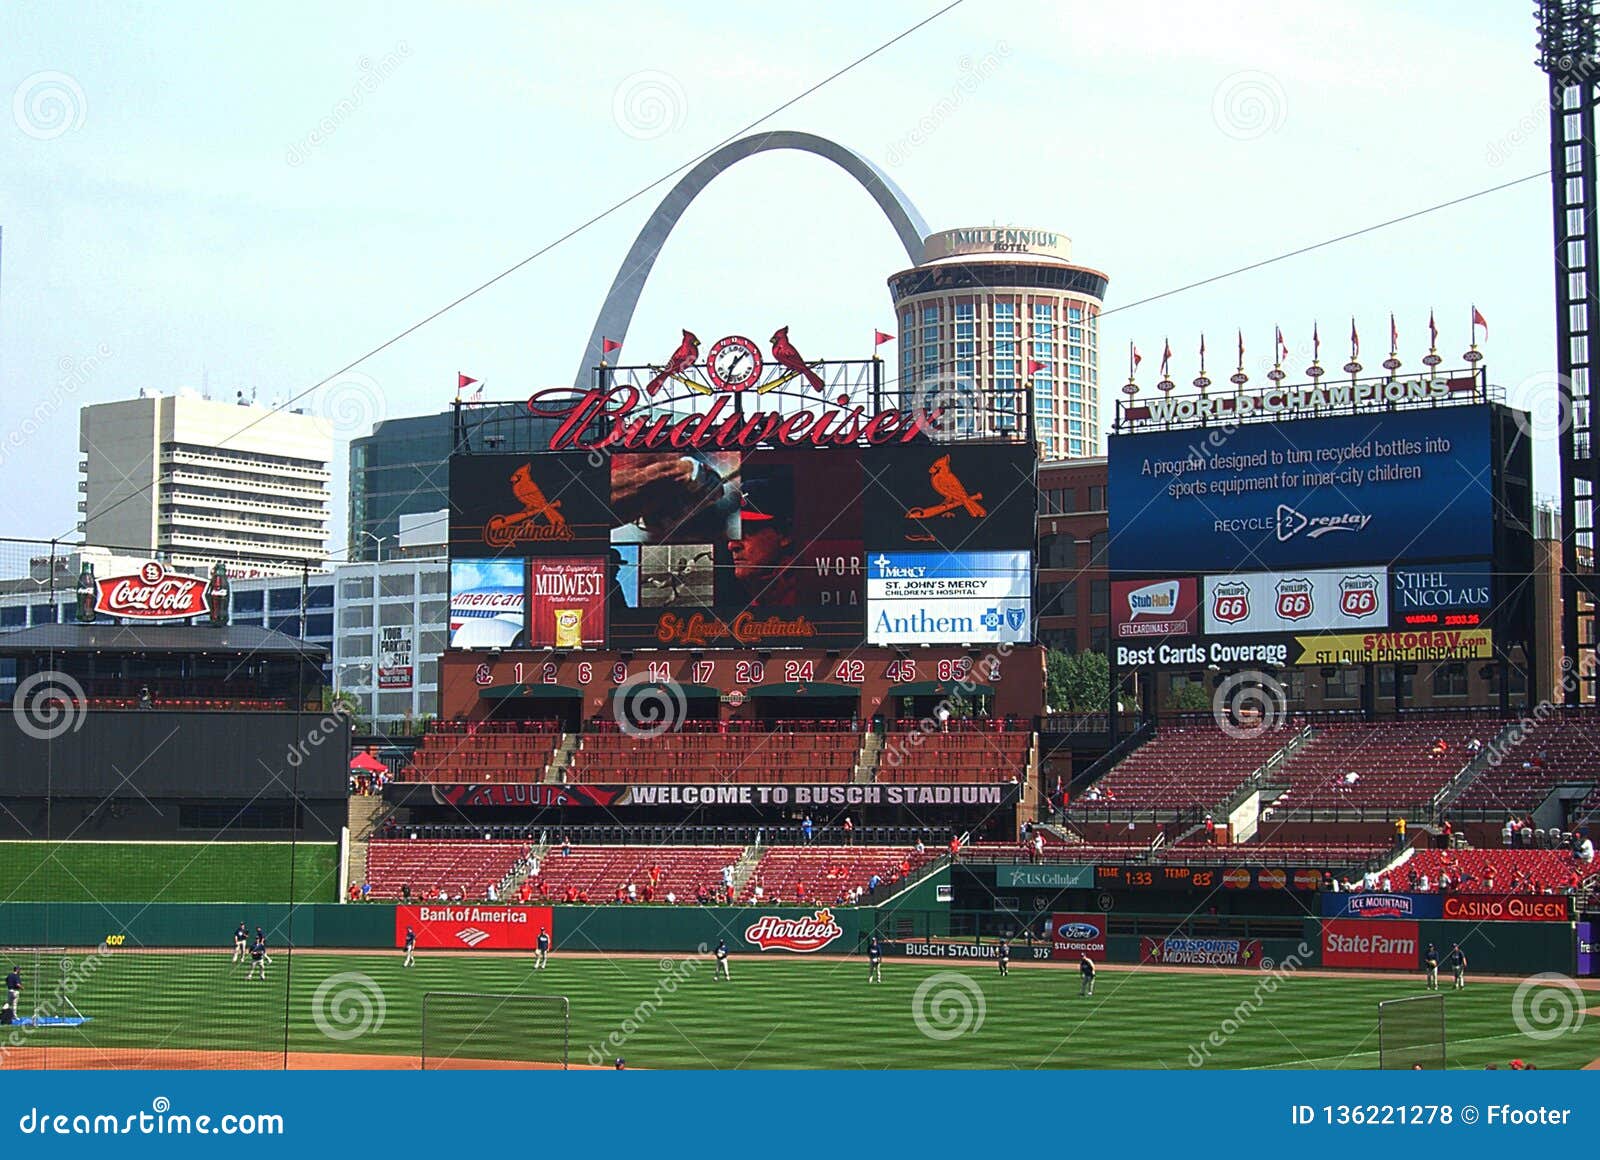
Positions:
(801, 935)
(152, 594)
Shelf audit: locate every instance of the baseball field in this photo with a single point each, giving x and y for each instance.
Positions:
(328, 1009)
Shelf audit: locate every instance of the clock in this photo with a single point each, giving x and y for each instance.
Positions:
(733, 363)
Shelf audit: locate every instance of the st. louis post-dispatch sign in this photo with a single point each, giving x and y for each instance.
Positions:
(949, 598)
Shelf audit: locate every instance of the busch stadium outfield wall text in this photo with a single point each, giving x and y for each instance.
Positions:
(1378, 537)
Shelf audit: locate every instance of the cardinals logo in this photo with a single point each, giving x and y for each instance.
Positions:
(682, 359)
(954, 495)
(783, 352)
(539, 520)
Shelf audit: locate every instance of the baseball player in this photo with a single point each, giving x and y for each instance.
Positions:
(723, 970)
(874, 961)
(1004, 958)
(1086, 970)
(13, 989)
(1458, 966)
(411, 947)
(541, 955)
(1430, 964)
(241, 943)
(258, 957)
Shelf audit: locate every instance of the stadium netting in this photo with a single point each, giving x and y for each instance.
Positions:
(1411, 1032)
(463, 1030)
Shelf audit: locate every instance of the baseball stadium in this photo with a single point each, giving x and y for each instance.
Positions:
(768, 754)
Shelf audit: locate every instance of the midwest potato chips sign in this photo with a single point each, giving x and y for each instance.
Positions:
(1358, 648)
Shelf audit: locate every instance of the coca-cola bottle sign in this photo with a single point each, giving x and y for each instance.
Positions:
(152, 594)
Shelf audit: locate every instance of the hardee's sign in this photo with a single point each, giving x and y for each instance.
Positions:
(614, 419)
(801, 935)
(153, 594)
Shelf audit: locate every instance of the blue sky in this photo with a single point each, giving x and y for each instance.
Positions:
(194, 218)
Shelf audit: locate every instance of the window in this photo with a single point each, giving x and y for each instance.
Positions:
(1005, 330)
(1097, 550)
(1074, 313)
(1044, 330)
(1043, 310)
(320, 596)
(1074, 426)
(1048, 426)
(353, 588)
(1044, 350)
(965, 330)
(1058, 599)
(930, 316)
(320, 624)
(1097, 497)
(1450, 680)
(251, 601)
(1099, 597)
(1005, 310)
(1075, 409)
(963, 311)
(1344, 685)
(1386, 682)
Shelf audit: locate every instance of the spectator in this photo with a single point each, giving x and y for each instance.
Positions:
(146, 701)
(921, 849)
(633, 893)
(1038, 847)
(942, 714)
(1585, 850)
(494, 893)
(805, 830)
(405, 892)
(849, 831)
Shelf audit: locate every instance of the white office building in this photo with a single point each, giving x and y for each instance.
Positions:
(195, 481)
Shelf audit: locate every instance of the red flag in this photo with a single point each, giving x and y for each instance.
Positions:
(1137, 358)
(1283, 347)
(1433, 331)
(879, 338)
(463, 381)
(1394, 333)
(1034, 367)
(1166, 357)
(607, 345)
(1241, 348)
(1478, 320)
(1355, 341)
(1316, 343)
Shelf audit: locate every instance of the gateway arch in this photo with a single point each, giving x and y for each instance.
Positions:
(617, 311)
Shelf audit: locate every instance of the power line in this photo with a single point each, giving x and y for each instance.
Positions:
(576, 230)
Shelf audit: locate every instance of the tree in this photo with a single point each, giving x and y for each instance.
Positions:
(1189, 697)
(1077, 682)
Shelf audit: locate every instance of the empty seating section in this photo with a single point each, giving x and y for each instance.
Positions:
(1509, 871)
(429, 867)
(488, 752)
(1288, 854)
(1380, 764)
(1560, 750)
(715, 758)
(1192, 765)
(597, 871)
(828, 873)
(960, 755)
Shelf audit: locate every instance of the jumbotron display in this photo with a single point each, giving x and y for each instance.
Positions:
(915, 541)
(1348, 535)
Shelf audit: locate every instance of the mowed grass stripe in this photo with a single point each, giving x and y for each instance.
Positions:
(789, 1013)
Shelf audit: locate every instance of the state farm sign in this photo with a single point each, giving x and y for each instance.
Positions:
(468, 927)
(771, 932)
(1381, 944)
(152, 594)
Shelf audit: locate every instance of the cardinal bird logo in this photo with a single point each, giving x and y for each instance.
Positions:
(954, 494)
(682, 358)
(783, 351)
(503, 531)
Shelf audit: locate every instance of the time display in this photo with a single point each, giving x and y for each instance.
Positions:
(733, 363)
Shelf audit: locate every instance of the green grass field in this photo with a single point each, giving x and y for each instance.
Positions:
(167, 871)
(789, 1013)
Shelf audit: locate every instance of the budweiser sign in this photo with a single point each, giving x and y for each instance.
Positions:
(153, 594)
(801, 935)
(596, 419)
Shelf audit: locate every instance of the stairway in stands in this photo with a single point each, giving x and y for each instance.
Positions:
(556, 772)
(866, 770)
(365, 812)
